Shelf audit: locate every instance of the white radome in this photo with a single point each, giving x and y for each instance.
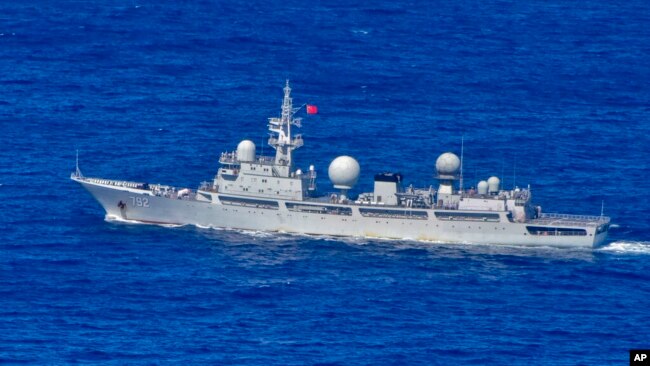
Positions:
(493, 184)
(246, 151)
(344, 172)
(448, 164)
(482, 187)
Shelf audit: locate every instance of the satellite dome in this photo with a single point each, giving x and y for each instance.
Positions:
(344, 172)
(493, 184)
(482, 187)
(246, 151)
(448, 164)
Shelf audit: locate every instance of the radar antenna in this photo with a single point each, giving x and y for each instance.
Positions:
(462, 152)
(280, 137)
(602, 208)
(514, 174)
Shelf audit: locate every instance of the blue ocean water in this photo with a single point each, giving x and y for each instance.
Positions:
(553, 94)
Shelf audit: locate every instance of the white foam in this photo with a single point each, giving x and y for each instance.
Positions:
(627, 247)
(255, 233)
(110, 218)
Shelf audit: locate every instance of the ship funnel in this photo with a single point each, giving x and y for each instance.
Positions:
(493, 185)
(482, 187)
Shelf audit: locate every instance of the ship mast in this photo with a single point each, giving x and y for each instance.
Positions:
(280, 137)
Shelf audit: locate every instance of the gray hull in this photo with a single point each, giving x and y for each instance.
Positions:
(132, 204)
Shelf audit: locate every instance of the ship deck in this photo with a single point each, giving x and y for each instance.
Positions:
(548, 219)
(545, 219)
(160, 190)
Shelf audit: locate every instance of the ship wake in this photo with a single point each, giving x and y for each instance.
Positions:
(627, 247)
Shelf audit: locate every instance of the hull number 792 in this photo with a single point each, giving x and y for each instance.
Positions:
(139, 201)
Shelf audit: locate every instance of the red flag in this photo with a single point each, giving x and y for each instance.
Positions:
(312, 109)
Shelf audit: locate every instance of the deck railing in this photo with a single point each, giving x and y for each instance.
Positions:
(573, 217)
(565, 219)
(259, 159)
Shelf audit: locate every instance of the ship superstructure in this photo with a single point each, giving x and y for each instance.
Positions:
(243, 173)
(259, 192)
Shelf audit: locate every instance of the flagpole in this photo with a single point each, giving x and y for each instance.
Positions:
(299, 108)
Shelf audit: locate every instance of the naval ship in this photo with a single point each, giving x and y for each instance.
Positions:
(270, 193)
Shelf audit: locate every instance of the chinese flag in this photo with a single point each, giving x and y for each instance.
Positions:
(312, 109)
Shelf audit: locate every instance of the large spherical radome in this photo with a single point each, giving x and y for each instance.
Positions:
(493, 184)
(494, 180)
(246, 151)
(448, 164)
(344, 172)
